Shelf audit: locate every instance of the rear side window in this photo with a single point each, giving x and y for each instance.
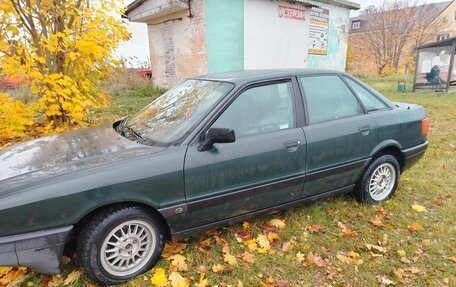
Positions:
(328, 98)
(370, 101)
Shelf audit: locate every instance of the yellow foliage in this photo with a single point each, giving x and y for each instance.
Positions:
(64, 60)
(178, 262)
(72, 277)
(230, 259)
(217, 268)
(264, 243)
(159, 278)
(418, 208)
(277, 223)
(178, 281)
(15, 117)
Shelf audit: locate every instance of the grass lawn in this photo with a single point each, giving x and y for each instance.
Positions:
(335, 242)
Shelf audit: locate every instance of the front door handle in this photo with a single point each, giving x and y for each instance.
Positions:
(292, 145)
(364, 130)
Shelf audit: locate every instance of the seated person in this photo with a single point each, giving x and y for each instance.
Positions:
(433, 77)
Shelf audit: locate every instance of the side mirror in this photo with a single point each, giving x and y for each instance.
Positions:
(217, 135)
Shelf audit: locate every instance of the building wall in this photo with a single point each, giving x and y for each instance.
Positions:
(447, 17)
(178, 47)
(339, 19)
(231, 35)
(271, 41)
(277, 42)
(224, 35)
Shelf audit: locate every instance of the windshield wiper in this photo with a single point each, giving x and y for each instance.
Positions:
(124, 126)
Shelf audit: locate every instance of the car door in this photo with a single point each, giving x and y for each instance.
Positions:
(264, 167)
(340, 134)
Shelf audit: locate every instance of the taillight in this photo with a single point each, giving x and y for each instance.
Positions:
(424, 126)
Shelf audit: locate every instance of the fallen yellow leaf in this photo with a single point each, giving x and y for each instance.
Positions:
(419, 208)
(272, 236)
(384, 280)
(174, 248)
(415, 226)
(159, 278)
(345, 230)
(217, 268)
(72, 277)
(252, 245)
(5, 270)
(277, 223)
(401, 252)
(372, 247)
(230, 259)
(178, 262)
(13, 275)
(300, 257)
(177, 280)
(343, 258)
(202, 282)
(263, 242)
(315, 228)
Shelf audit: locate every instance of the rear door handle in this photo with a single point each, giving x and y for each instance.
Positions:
(292, 145)
(364, 130)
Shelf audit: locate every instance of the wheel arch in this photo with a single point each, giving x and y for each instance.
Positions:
(390, 147)
(70, 244)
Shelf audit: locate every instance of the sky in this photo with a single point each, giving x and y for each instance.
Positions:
(366, 3)
(137, 49)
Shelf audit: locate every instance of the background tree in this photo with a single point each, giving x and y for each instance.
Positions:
(65, 48)
(394, 25)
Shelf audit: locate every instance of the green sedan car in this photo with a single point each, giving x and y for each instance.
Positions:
(214, 150)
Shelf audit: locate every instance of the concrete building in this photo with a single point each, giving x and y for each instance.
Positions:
(192, 37)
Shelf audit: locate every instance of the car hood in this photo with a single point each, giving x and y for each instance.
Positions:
(63, 153)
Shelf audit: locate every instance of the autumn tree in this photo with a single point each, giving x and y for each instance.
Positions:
(65, 48)
(396, 26)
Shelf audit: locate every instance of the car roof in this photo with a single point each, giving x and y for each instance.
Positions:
(258, 75)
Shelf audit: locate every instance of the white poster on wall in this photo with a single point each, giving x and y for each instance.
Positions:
(318, 31)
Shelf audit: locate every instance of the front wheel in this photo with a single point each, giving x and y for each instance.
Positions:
(379, 180)
(119, 244)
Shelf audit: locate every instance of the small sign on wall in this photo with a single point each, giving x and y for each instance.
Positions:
(291, 12)
(318, 31)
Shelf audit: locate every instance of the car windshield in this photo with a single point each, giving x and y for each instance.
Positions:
(171, 116)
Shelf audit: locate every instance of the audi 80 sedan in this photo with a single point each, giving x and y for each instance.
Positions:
(214, 150)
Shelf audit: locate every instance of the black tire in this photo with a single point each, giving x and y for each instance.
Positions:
(93, 236)
(362, 190)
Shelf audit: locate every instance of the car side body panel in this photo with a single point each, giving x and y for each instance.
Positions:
(155, 180)
(337, 143)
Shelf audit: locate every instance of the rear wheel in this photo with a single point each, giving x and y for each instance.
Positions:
(119, 244)
(379, 180)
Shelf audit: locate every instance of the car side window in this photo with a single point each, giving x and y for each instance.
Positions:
(328, 98)
(260, 109)
(370, 101)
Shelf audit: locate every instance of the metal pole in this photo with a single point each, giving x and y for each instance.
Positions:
(416, 68)
(453, 50)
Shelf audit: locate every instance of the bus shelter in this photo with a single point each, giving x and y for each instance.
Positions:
(434, 67)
